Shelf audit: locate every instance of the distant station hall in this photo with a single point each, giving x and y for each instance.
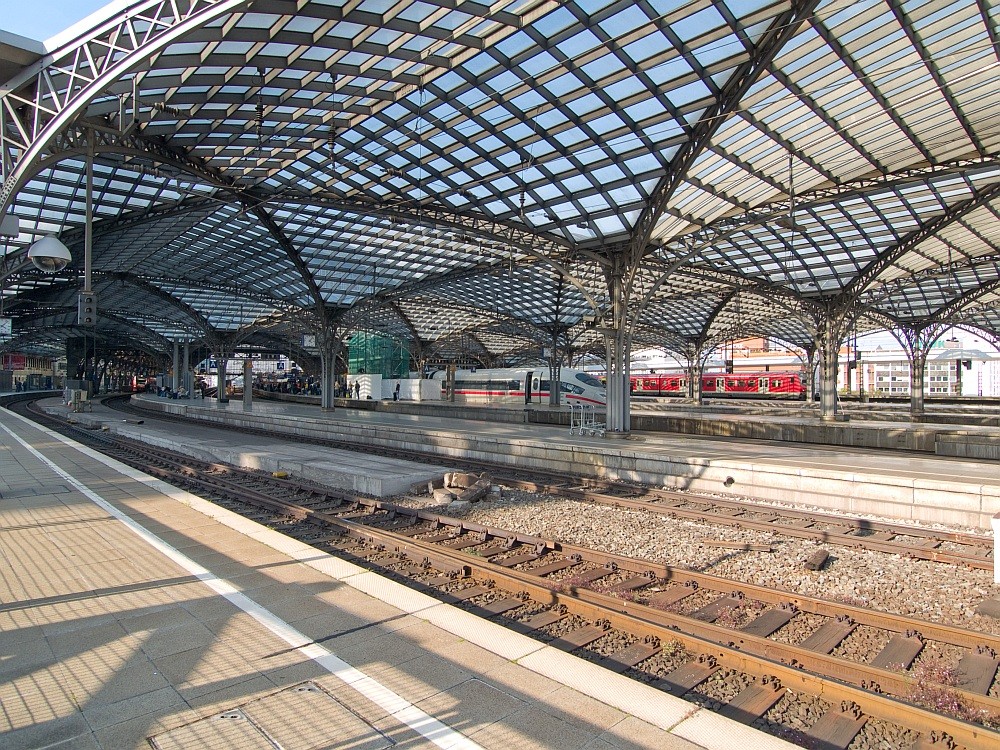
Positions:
(453, 254)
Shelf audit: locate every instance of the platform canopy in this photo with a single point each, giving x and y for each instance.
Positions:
(489, 180)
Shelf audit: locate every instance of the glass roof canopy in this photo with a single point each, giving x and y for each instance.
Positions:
(464, 172)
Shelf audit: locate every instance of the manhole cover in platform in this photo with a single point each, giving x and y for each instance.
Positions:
(304, 717)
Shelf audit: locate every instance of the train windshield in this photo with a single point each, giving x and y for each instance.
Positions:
(589, 380)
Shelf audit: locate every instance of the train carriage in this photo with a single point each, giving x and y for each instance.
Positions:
(523, 386)
(783, 385)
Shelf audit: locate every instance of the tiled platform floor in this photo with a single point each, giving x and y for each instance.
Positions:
(129, 610)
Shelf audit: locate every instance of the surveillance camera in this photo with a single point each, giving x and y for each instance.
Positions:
(49, 254)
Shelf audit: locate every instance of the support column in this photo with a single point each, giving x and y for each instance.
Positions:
(247, 384)
(693, 370)
(188, 378)
(830, 350)
(555, 377)
(222, 360)
(617, 358)
(555, 364)
(809, 376)
(918, 364)
(328, 345)
(176, 382)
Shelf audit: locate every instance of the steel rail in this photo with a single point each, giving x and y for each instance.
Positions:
(666, 504)
(754, 655)
(832, 679)
(750, 654)
(588, 489)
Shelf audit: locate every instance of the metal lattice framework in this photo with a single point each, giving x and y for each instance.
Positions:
(468, 177)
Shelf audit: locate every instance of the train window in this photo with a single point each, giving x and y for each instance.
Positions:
(588, 380)
(534, 384)
(543, 385)
(570, 388)
(775, 383)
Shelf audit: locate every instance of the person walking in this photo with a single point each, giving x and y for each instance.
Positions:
(395, 392)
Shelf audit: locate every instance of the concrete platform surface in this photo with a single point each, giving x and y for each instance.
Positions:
(353, 471)
(135, 615)
(882, 482)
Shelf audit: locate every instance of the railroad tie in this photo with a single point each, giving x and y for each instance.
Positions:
(540, 620)
(499, 606)
(670, 596)
(714, 610)
(463, 542)
(976, 671)
(817, 559)
(411, 569)
(439, 537)
(838, 727)
(491, 551)
(769, 622)
(631, 655)
(523, 557)
(754, 700)
(580, 637)
(415, 530)
(688, 676)
(553, 567)
(899, 652)
(631, 584)
(461, 595)
(829, 635)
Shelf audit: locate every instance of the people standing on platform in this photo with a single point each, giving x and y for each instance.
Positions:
(357, 389)
(395, 392)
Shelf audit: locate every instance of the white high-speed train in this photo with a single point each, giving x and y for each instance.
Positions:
(524, 386)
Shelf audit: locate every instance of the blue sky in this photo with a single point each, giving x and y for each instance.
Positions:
(42, 19)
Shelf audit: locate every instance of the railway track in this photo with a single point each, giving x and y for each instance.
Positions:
(822, 673)
(971, 550)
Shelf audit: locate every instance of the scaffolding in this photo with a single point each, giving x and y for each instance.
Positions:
(376, 354)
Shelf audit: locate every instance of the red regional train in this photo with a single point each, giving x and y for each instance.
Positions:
(787, 385)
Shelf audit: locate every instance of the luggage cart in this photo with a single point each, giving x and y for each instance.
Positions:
(583, 420)
(575, 418)
(590, 424)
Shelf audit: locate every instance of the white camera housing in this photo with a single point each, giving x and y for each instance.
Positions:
(49, 254)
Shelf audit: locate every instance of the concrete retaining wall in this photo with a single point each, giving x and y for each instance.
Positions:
(938, 440)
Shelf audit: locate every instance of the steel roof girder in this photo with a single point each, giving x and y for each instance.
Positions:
(861, 188)
(953, 213)
(873, 91)
(167, 22)
(781, 30)
(899, 12)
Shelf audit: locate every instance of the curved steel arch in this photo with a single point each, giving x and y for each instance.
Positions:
(115, 49)
(952, 214)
